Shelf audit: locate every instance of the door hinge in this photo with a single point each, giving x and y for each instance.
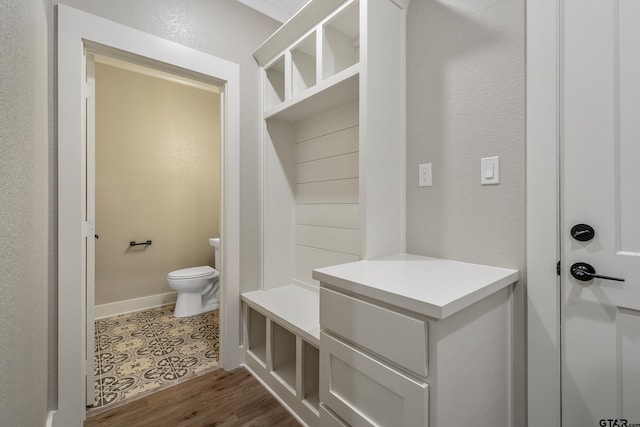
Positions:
(89, 89)
(558, 269)
(88, 229)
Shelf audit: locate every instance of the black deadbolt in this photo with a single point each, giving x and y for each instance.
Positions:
(582, 232)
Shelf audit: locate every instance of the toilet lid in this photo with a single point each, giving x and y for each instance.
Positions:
(193, 272)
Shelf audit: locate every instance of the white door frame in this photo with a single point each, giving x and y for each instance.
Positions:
(77, 30)
(543, 204)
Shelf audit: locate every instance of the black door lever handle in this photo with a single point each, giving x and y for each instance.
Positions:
(585, 272)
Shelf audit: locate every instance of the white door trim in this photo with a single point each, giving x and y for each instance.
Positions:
(76, 29)
(543, 142)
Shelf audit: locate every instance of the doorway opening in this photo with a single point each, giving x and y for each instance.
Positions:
(79, 32)
(156, 143)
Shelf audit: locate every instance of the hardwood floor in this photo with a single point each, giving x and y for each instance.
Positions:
(218, 398)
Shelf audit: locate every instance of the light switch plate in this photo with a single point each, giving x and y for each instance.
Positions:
(424, 175)
(490, 170)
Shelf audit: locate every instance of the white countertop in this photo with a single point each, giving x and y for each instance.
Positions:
(430, 286)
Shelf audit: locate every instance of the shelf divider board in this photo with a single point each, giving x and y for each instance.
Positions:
(310, 376)
(269, 345)
(299, 368)
(319, 55)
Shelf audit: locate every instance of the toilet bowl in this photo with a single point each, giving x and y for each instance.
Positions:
(197, 290)
(197, 286)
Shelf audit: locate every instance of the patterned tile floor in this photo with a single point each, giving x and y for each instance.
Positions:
(139, 352)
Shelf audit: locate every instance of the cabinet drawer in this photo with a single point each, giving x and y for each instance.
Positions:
(365, 392)
(396, 337)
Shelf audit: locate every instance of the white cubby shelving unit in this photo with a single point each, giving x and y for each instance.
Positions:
(332, 172)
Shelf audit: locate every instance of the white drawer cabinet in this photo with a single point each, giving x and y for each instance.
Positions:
(364, 391)
(415, 341)
(363, 324)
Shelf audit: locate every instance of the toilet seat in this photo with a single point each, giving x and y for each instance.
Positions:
(194, 273)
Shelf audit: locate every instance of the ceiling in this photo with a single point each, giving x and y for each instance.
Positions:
(280, 10)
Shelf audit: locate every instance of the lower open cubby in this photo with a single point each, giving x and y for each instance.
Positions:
(281, 346)
(257, 336)
(283, 355)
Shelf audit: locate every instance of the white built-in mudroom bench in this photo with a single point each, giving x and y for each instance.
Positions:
(403, 340)
(341, 329)
(282, 338)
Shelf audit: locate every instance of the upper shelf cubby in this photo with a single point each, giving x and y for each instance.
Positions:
(303, 65)
(341, 40)
(274, 77)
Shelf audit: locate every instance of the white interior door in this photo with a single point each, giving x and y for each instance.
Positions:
(600, 107)
(90, 218)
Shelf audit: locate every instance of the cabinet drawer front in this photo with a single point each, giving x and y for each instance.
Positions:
(399, 338)
(365, 392)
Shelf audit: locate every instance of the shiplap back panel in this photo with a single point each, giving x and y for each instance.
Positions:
(341, 191)
(345, 240)
(279, 205)
(327, 181)
(329, 215)
(333, 144)
(310, 258)
(328, 169)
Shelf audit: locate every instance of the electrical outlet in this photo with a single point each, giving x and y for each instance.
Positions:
(424, 175)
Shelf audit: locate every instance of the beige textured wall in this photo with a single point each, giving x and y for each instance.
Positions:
(23, 212)
(466, 100)
(157, 177)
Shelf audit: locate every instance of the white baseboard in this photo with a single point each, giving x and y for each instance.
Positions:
(136, 304)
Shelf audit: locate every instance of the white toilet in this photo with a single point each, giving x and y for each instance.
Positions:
(197, 286)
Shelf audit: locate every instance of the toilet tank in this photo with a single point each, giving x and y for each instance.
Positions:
(215, 242)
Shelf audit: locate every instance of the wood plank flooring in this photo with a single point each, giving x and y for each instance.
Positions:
(218, 398)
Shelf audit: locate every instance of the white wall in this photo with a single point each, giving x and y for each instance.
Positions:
(465, 100)
(23, 212)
